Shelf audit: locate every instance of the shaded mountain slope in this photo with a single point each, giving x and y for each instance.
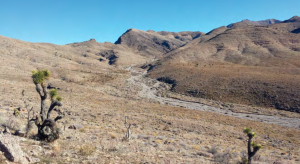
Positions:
(257, 65)
(154, 44)
(288, 25)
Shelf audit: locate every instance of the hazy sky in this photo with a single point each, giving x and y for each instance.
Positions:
(68, 21)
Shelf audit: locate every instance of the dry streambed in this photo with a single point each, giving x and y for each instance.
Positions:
(149, 90)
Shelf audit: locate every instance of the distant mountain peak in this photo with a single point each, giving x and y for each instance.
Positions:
(92, 40)
(245, 22)
(131, 29)
(150, 31)
(87, 43)
(293, 19)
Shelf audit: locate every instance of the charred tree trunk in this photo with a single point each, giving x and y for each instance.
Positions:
(48, 130)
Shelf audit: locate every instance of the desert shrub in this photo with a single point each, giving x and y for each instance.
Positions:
(87, 149)
(16, 112)
(223, 158)
(213, 150)
(83, 130)
(113, 135)
(243, 156)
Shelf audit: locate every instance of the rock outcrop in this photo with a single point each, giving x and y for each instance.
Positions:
(10, 146)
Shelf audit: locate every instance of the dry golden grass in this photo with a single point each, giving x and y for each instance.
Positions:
(189, 131)
(87, 149)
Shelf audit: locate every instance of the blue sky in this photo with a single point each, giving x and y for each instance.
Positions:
(68, 21)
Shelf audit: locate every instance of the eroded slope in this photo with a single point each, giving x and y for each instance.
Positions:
(256, 65)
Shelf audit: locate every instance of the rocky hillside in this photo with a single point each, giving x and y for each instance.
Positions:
(155, 44)
(257, 65)
(108, 53)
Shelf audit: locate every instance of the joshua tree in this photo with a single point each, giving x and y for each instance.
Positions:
(47, 128)
(127, 135)
(255, 146)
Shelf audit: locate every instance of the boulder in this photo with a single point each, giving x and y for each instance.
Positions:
(9, 145)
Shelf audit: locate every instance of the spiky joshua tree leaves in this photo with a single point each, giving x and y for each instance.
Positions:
(47, 127)
(254, 146)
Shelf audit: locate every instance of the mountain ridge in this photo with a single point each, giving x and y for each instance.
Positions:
(266, 22)
(151, 43)
(267, 57)
(183, 56)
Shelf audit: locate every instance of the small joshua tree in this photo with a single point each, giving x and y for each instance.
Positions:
(255, 146)
(127, 134)
(47, 128)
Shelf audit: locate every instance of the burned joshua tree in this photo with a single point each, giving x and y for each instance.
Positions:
(47, 127)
